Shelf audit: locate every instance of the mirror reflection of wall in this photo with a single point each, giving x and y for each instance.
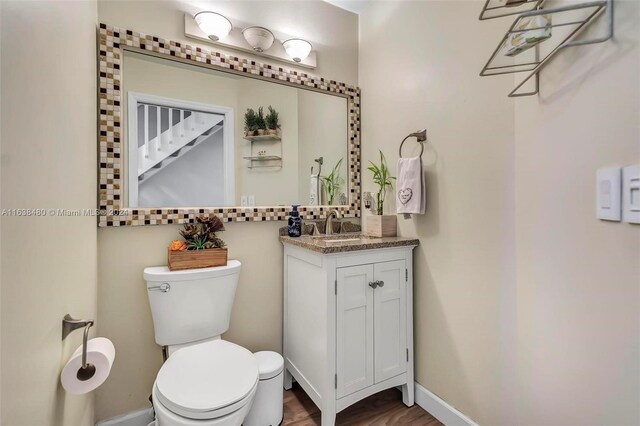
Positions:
(203, 158)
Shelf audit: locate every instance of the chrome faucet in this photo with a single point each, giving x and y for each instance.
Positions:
(328, 224)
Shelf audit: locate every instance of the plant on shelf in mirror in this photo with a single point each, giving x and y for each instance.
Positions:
(201, 247)
(250, 122)
(380, 225)
(273, 121)
(332, 182)
(261, 123)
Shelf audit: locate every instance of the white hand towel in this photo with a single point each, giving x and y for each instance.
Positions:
(314, 191)
(410, 186)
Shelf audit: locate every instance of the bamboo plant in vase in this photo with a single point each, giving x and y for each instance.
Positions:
(201, 247)
(332, 182)
(381, 225)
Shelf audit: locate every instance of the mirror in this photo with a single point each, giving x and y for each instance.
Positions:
(185, 142)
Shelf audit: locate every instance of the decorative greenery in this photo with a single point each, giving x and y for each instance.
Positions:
(382, 178)
(260, 121)
(272, 119)
(332, 182)
(250, 121)
(202, 234)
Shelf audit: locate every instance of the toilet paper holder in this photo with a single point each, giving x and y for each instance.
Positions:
(69, 324)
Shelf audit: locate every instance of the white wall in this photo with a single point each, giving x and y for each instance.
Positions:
(256, 321)
(195, 179)
(48, 158)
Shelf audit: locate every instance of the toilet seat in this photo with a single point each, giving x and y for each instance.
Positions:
(207, 380)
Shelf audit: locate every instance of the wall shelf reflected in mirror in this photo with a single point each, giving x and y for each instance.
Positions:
(263, 138)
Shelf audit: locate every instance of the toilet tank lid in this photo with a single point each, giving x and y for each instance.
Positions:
(162, 273)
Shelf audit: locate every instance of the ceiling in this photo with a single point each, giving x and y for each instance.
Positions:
(355, 6)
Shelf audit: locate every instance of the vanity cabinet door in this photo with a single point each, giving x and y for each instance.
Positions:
(390, 320)
(355, 323)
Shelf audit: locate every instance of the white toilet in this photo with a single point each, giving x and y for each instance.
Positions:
(206, 380)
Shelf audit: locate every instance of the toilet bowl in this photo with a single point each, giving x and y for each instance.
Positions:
(211, 383)
(205, 380)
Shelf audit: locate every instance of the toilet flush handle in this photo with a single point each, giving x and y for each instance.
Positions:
(164, 287)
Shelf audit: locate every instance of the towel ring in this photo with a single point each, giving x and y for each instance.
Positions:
(420, 135)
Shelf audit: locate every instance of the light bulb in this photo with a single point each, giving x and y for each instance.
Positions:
(214, 25)
(297, 48)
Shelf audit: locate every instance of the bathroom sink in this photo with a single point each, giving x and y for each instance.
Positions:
(340, 240)
(347, 236)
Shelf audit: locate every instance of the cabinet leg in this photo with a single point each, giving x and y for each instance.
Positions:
(327, 418)
(407, 395)
(288, 380)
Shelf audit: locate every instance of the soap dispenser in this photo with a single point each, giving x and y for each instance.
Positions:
(295, 223)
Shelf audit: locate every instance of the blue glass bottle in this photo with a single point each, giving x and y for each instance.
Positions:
(295, 223)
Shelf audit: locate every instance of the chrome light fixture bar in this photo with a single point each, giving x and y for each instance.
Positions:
(213, 27)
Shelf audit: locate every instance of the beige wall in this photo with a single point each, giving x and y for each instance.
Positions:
(337, 49)
(123, 253)
(48, 161)
(578, 286)
(464, 264)
(324, 130)
(269, 186)
(526, 305)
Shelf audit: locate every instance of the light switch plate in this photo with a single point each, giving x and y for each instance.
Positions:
(631, 194)
(608, 193)
(252, 200)
(243, 201)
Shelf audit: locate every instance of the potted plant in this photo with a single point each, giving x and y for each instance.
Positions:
(273, 121)
(380, 225)
(201, 247)
(261, 124)
(250, 118)
(332, 182)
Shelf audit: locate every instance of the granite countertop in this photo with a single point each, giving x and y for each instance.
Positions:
(351, 242)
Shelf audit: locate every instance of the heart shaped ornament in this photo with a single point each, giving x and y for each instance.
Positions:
(404, 195)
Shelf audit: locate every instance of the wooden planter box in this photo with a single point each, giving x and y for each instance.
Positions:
(382, 226)
(192, 259)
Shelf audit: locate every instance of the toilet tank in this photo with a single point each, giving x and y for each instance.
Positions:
(193, 304)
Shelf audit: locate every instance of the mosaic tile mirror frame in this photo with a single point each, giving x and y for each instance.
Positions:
(113, 42)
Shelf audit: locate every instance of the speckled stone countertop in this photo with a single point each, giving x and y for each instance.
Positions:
(350, 242)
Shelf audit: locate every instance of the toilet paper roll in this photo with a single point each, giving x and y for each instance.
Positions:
(100, 353)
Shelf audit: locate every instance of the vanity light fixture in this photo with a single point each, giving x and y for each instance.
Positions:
(259, 38)
(297, 48)
(214, 25)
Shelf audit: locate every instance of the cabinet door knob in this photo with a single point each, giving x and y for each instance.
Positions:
(373, 284)
(380, 283)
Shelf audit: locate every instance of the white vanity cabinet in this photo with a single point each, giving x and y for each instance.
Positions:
(348, 324)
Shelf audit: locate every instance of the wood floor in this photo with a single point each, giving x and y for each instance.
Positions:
(384, 408)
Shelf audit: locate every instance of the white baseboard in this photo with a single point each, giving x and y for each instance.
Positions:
(135, 418)
(439, 409)
(429, 401)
